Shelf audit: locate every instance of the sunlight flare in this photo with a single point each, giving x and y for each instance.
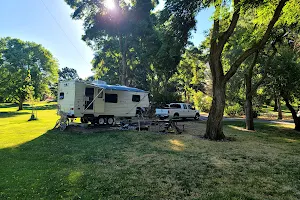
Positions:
(109, 4)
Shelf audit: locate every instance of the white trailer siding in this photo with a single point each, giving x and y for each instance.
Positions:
(78, 95)
(125, 106)
(79, 101)
(66, 96)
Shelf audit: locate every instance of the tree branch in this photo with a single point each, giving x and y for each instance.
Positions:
(235, 17)
(257, 45)
(250, 70)
(216, 28)
(248, 76)
(255, 87)
(290, 107)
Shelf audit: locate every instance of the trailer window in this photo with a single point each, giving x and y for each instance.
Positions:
(100, 95)
(136, 98)
(61, 95)
(111, 98)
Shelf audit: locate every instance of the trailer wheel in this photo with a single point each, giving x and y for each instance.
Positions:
(110, 120)
(101, 121)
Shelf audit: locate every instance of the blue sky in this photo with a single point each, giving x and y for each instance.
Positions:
(30, 20)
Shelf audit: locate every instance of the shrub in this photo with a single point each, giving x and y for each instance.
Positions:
(234, 110)
(202, 102)
(164, 98)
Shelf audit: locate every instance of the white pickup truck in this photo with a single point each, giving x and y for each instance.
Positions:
(177, 110)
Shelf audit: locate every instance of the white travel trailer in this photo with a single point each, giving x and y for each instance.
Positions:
(98, 102)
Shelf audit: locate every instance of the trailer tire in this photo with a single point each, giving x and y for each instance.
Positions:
(110, 121)
(101, 120)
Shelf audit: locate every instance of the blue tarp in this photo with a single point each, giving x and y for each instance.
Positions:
(118, 87)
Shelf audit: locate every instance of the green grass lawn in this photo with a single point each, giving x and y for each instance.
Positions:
(267, 112)
(15, 128)
(38, 163)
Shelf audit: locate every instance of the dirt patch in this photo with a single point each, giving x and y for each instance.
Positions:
(190, 127)
(90, 129)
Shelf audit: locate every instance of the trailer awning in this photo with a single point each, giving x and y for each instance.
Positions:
(117, 87)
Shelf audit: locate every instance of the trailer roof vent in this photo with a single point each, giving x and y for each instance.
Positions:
(99, 82)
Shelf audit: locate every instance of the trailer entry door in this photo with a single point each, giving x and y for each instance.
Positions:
(99, 102)
(89, 92)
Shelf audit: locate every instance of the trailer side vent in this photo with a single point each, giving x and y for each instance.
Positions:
(136, 98)
(111, 98)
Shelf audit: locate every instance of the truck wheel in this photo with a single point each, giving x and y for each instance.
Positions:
(101, 121)
(176, 115)
(110, 120)
(197, 116)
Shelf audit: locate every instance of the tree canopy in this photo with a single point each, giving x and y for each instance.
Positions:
(67, 73)
(26, 70)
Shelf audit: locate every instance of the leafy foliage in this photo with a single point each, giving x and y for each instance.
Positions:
(67, 73)
(234, 110)
(115, 35)
(286, 73)
(27, 70)
(133, 45)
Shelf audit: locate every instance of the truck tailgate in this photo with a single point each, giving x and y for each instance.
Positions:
(162, 112)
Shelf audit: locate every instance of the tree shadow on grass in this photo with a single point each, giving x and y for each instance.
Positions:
(272, 130)
(76, 161)
(12, 114)
(121, 164)
(28, 106)
(44, 107)
(8, 105)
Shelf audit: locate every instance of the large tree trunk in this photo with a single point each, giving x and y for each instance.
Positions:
(279, 108)
(249, 114)
(294, 114)
(249, 94)
(123, 69)
(214, 128)
(297, 123)
(276, 105)
(21, 104)
(248, 105)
